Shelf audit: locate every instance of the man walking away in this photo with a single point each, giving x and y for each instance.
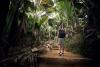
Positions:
(61, 36)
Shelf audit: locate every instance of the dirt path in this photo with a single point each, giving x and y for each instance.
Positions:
(69, 59)
(67, 55)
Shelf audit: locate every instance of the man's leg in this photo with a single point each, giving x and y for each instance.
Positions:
(59, 44)
(60, 48)
(63, 49)
(62, 45)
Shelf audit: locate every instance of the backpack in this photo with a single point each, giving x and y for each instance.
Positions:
(61, 34)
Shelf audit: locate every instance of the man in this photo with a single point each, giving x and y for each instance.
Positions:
(61, 36)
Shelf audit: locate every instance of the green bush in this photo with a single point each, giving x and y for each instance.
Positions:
(74, 44)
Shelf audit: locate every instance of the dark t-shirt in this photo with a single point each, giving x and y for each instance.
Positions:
(61, 33)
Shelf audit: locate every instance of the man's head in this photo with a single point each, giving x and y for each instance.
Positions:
(61, 25)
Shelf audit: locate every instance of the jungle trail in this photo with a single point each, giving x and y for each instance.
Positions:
(28, 33)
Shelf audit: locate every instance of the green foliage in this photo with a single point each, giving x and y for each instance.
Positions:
(74, 44)
(27, 5)
(12, 9)
(50, 22)
(30, 23)
(65, 6)
(43, 20)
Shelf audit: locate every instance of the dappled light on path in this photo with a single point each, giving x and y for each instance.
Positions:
(69, 59)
